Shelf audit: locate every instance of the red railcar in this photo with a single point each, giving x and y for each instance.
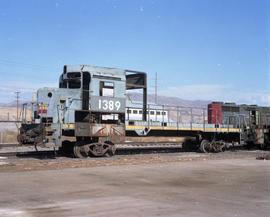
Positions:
(214, 113)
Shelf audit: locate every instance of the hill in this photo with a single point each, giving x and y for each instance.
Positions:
(165, 100)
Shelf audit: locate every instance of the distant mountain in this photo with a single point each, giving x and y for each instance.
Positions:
(165, 100)
(14, 104)
(183, 113)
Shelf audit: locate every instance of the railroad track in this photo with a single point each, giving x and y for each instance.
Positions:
(125, 144)
(27, 153)
(121, 148)
(146, 145)
(5, 145)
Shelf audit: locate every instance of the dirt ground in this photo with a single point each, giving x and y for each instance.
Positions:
(158, 184)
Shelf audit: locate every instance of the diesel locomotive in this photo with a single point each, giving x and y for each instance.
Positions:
(253, 120)
(87, 114)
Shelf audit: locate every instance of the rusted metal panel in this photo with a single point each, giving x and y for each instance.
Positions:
(107, 130)
(99, 130)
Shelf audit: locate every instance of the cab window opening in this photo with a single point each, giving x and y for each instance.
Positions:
(106, 89)
(73, 81)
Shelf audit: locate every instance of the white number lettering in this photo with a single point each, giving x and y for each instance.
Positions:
(105, 105)
(117, 105)
(99, 104)
(111, 105)
(108, 105)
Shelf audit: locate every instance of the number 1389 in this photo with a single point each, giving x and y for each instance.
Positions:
(109, 105)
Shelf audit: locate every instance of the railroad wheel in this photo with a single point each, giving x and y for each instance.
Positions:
(222, 146)
(111, 150)
(205, 146)
(95, 149)
(79, 151)
(98, 149)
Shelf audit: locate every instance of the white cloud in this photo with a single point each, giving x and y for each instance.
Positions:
(260, 98)
(26, 88)
(217, 93)
(203, 91)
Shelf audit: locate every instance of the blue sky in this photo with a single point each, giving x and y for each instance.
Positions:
(201, 49)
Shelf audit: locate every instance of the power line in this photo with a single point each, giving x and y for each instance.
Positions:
(17, 99)
(156, 100)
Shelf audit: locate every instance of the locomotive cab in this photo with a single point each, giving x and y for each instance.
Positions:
(100, 119)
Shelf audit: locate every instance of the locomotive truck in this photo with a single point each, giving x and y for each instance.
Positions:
(87, 114)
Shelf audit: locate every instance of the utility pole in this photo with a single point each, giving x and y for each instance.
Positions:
(156, 89)
(32, 106)
(17, 99)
